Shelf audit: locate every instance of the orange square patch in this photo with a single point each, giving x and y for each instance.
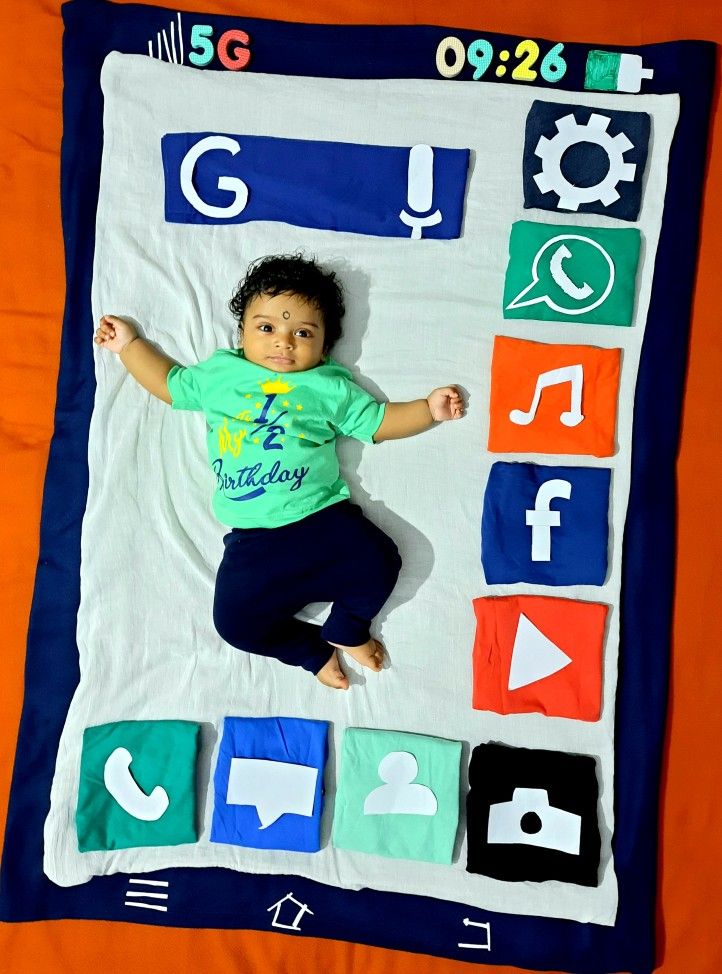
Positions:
(534, 654)
(553, 398)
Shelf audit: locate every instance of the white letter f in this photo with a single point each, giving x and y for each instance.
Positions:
(541, 519)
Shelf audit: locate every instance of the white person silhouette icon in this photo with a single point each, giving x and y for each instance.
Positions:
(399, 796)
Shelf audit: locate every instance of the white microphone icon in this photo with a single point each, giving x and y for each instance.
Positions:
(420, 191)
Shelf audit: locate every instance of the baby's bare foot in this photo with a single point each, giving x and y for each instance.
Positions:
(331, 675)
(369, 654)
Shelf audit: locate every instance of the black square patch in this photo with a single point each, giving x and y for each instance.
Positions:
(532, 815)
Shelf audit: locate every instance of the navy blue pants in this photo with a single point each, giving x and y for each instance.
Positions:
(268, 574)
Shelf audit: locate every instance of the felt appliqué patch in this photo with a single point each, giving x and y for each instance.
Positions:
(553, 398)
(571, 273)
(137, 784)
(546, 525)
(585, 160)
(387, 191)
(398, 795)
(615, 71)
(268, 783)
(534, 654)
(532, 815)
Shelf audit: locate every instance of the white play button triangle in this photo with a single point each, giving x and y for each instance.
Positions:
(534, 656)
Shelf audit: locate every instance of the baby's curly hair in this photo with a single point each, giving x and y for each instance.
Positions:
(293, 274)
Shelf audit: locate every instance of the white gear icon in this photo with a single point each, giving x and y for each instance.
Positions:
(569, 133)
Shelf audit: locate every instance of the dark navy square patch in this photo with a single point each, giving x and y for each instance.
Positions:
(532, 815)
(585, 160)
(546, 525)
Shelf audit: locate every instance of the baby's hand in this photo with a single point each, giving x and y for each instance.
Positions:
(445, 403)
(114, 334)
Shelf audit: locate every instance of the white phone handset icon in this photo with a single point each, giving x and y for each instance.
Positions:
(129, 795)
(562, 279)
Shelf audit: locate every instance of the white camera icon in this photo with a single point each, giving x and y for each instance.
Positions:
(529, 819)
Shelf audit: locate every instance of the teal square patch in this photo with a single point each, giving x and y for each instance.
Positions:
(398, 795)
(137, 785)
(581, 275)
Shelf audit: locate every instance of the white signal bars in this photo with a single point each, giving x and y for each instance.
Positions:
(175, 57)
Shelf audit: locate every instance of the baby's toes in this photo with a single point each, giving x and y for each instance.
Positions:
(331, 675)
(378, 655)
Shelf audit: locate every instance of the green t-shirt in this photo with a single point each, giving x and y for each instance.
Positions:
(271, 435)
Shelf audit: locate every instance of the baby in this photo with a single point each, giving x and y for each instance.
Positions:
(274, 408)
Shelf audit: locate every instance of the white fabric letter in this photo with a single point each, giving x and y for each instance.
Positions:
(231, 183)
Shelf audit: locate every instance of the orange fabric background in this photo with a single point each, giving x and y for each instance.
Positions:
(32, 303)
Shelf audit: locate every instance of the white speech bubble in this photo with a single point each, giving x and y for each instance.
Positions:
(583, 292)
(273, 787)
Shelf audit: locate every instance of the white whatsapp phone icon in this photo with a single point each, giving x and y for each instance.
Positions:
(127, 792)
(562, 279)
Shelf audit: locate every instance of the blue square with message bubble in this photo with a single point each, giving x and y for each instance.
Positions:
(268, 783)
(545, 525)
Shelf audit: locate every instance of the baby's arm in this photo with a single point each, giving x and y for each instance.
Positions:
(406, 418)
(146, 364)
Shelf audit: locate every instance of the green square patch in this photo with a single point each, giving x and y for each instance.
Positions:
(602, 70)
(398, 795)
(571, 273)
(137, 785)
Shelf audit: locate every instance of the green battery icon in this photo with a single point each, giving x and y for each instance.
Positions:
(607, 71)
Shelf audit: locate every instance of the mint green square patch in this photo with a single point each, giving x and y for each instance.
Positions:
(137, 785)
(398, 795)
(571, 273)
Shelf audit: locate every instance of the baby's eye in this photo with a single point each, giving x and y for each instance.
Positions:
(303, 333)
(264, 326)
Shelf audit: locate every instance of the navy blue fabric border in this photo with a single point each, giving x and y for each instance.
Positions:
(225, 899)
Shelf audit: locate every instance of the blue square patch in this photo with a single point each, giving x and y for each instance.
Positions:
(546, 525)
(269, 783)
(585, 160)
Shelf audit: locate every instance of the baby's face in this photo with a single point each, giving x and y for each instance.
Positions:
(284, 333)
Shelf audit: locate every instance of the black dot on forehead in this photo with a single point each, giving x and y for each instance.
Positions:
(286, 314)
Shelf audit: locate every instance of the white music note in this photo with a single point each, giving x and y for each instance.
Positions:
(573, 374)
